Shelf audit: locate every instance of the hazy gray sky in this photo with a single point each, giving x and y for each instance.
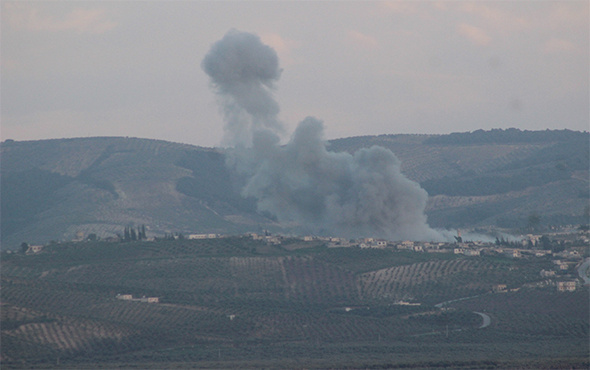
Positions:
(78, 68)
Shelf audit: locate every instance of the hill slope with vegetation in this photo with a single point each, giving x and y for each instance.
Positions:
(57, 189)
(65, 188)
(497, 177)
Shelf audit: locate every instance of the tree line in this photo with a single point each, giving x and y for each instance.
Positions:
(131, 234)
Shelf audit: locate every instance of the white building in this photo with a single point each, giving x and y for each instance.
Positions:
(566, 286)
(202, 236)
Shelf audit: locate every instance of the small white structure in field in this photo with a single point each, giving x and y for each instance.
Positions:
(472, 252)
(202, 236)
(129, 297)
(34, 249)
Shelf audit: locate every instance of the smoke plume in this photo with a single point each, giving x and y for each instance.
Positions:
(243, 71)
(360, 195)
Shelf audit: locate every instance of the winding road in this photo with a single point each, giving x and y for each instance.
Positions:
(584, 271)
(487, 320)
(440, 305)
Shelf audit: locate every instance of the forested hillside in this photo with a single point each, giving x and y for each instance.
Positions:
(60, 189)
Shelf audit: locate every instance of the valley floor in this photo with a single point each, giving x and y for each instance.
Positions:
(241, 303)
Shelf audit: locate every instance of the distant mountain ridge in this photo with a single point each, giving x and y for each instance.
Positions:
(57, 189)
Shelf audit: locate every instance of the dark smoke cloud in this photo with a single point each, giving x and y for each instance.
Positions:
(358, 195)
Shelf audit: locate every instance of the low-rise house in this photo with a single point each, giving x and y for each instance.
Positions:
(472, 252)
(273, 240)
(514, 253)
(381, 244)
(406, 245)
(541, 253)
(150, 299)
(566, 286)
(256, 236)
(433, 250)
(202, 236)
(33, 249)
(405, 303)
(499, 288)
(561, 265)
(547, 273)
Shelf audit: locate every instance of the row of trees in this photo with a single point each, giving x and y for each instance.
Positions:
(130, 234)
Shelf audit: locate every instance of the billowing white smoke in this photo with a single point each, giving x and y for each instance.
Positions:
(358, 195)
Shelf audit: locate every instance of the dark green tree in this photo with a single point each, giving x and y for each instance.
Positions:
(545, 242)
(533, 221)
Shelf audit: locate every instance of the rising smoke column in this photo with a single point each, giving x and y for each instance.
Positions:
(358, 195)
(243, 71)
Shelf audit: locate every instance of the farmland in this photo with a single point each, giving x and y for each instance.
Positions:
(237, 302)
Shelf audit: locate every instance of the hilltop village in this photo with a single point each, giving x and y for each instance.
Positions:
(568, 252)
(566, 248)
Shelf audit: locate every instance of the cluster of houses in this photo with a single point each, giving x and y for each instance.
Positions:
(564, 262)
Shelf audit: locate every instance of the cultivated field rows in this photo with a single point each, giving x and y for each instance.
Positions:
(223, 291)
